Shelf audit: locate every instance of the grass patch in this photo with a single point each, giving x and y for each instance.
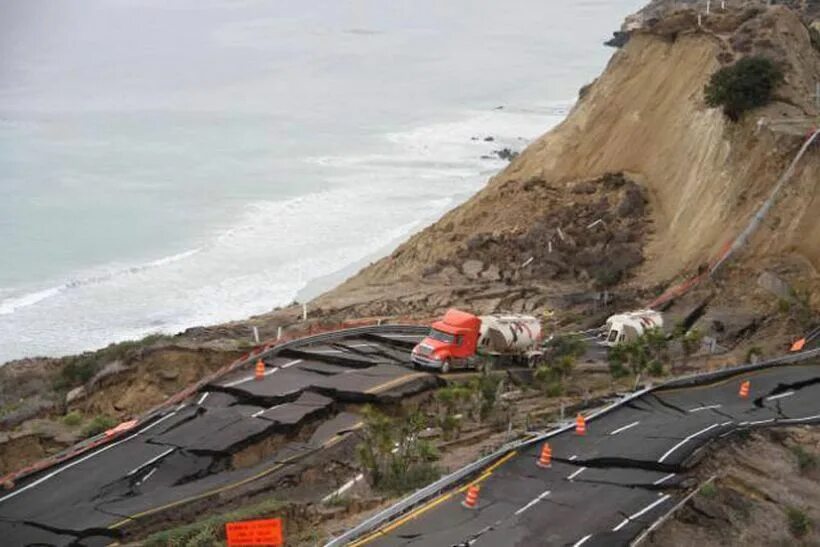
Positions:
(806, 461)
(79, 369)
(798, 520)
(211, 530)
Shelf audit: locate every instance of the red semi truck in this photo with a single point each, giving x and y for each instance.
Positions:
(461, 340)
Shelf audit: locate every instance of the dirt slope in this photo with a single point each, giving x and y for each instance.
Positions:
(645, 117)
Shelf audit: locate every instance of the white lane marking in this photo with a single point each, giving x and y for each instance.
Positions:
(698, 409)
(664, 479)
(81, 460)
(641, 512)
(624, 428)
(343, 488)
(573, 457)
(686, 440)
(780, 396)
(148, 476)
(149, 462)
(533, 502)
(267, 372)
(202, 399)
(816, 416)
(724, 424)
(256, 414)
(758, 422)
(581, 541)
(576, 473)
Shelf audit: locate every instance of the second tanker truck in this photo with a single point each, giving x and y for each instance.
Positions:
(461, 340)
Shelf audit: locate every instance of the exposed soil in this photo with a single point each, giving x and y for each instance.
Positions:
(758, 479)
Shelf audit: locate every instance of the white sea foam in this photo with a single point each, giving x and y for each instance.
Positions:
(268, 253)
(11, 304)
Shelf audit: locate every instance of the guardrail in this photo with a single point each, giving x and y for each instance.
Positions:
(133, 426)
(447, 482)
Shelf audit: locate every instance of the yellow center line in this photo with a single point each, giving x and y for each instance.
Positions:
(434, 503)
(396, 381)
(327, 444)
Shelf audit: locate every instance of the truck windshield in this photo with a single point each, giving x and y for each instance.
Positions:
(441, 336)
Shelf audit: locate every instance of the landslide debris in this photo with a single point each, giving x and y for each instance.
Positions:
(590, 231)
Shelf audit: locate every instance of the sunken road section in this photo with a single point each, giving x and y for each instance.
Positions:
(185, 453)
(605, 487)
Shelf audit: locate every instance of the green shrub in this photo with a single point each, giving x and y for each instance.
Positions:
(550, 380)
(73, 418)
(394, 459)
(708, 490)
(799, 522)
(747, 84)
(99, 424)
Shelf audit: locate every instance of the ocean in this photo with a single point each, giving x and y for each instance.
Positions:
(171, 164)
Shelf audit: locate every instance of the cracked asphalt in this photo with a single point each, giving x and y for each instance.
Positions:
(606, 487)
(186, 452)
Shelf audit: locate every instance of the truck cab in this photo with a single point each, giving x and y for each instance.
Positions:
(451, 343)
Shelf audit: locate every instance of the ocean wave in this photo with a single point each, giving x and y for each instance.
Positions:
(12, 304)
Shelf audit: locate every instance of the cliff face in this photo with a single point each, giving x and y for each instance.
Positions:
(645, 118)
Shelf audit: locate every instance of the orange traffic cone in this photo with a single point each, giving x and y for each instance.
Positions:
(580, 425)
(745, 385)
(471, 500)
(260, 370)
(545, 460)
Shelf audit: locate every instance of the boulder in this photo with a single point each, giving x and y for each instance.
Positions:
(492, 273)
(772, 283)
(75, 395)
(472, 268)
(168, 373)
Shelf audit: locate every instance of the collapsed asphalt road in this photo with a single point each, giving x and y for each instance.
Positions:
(604, 488)
(186, 452)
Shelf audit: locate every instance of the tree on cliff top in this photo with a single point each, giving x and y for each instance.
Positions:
(747, 84)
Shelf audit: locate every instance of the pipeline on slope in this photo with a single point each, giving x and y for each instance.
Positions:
(731, 248)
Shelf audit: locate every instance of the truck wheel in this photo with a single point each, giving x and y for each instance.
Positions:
(445, 366)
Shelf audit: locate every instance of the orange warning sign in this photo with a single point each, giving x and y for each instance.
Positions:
(248, 533)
